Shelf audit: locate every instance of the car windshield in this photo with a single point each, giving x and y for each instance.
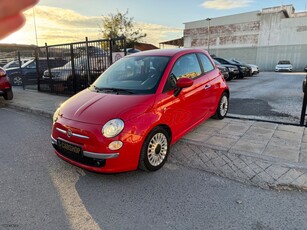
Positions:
(27, 63)
(132, 75)
(233, 62)
(216, 62)
(77, 62)
(284, 63)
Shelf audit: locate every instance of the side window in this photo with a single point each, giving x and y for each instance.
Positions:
(186, 66)
(207, 65)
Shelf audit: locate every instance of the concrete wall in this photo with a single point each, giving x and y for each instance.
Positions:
(261, 38)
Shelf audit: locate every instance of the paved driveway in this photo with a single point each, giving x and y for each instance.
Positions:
(268, 96)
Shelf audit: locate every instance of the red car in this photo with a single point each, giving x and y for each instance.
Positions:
(142, 104)
(5, 86)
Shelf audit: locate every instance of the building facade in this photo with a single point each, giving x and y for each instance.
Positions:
(259, 37)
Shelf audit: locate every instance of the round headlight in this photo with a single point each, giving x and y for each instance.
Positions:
(112, 128)
(56, 115)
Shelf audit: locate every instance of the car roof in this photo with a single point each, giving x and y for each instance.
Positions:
(167, 52)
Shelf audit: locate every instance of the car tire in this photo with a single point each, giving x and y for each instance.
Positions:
(8, 95)
(16, 79)
(155, 150)
(222, 107)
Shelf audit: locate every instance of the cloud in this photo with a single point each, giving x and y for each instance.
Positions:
(58, 26)
(226, 4)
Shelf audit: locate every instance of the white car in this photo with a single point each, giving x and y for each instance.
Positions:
(255, 69)
(283, 66)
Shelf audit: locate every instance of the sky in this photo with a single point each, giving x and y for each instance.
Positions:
(66, 21)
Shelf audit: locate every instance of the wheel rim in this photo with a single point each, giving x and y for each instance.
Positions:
(157, 149)
(224, 106)
(17, 81)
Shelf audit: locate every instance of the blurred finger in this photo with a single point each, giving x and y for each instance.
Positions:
(10, 24)
(13, 7)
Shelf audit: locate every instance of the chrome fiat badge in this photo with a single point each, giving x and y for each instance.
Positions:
(69, 133)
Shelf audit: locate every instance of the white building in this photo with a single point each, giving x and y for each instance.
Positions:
(259, 37)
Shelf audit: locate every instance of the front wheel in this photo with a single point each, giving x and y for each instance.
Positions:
(155, 150)
(223, 107)
(8, 95)
(17, 79)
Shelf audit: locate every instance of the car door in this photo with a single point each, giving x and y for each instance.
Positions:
(212, 92)
(188, 108)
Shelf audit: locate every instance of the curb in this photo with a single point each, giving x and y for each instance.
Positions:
(265, 172)
(29, 110)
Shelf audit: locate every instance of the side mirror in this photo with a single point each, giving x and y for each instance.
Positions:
(182, 83)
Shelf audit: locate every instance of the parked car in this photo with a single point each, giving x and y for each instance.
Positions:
(66, 73)
(137, 108)
(223, 70)
(5, 86)
(28, 74)
(244, 70)
(254, 68)
(15, 63)
(305, 69)
(233, 71)
(284, 65)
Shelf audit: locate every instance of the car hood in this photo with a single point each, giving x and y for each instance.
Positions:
(99, 108)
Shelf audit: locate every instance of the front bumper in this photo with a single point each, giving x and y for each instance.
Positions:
(96, 156)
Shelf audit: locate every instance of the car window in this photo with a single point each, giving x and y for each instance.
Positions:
(207, 64)
(139, 74)
(186, 66)
(31, 64)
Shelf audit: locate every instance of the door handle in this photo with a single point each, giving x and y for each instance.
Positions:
(207, 86)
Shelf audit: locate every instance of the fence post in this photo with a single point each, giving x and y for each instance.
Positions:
(73, 73)
(89, 80)
(111, 51)
(49, 68)
(37, 70)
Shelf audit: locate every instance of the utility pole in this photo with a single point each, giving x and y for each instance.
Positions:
(35, 27)
(208, 19)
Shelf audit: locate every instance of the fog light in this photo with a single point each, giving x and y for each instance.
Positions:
(115, 145)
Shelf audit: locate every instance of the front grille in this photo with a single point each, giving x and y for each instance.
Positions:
(80, 158)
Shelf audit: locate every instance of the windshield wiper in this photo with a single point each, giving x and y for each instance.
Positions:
(113, 90)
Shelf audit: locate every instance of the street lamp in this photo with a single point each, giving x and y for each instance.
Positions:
(208, 19)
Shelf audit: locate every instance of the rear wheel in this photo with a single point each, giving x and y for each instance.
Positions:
(8, 95)
(155, 150)
(223, 107)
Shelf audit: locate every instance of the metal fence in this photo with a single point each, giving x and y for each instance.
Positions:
(67, 68)
(73, 67)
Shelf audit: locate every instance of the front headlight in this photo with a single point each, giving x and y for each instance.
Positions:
(112, 128)
(56, 115)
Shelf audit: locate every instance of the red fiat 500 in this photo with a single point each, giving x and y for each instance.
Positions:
(135, 110)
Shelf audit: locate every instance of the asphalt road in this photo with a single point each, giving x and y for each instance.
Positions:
(268, 96)
(40, 191)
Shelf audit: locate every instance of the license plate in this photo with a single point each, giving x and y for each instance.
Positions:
(69, 147)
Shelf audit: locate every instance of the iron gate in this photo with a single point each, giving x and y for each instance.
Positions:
(70, 68)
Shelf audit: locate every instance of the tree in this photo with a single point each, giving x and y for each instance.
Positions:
(118, 25)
